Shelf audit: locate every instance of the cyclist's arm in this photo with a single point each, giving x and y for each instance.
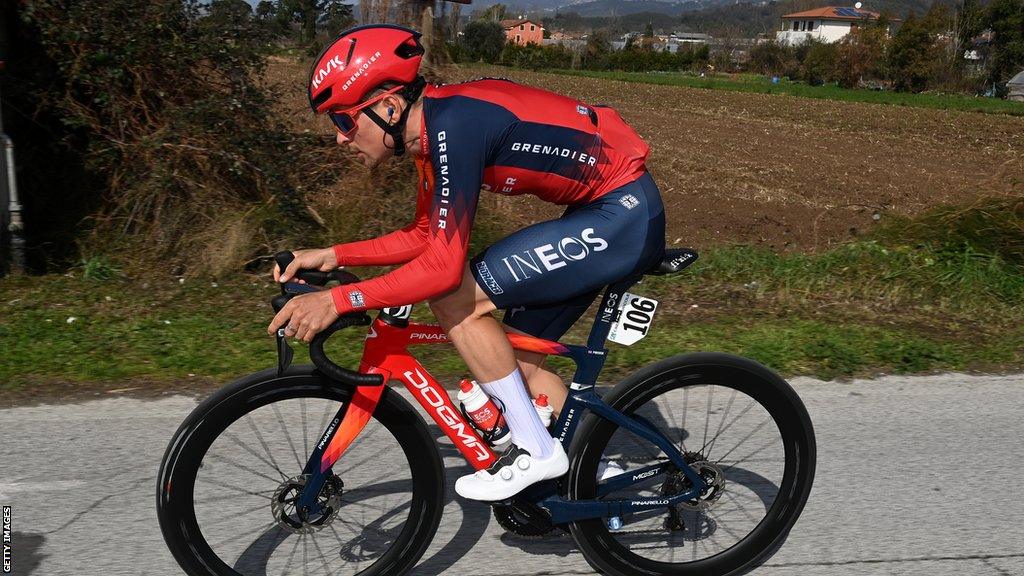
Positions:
(398, 247)
(438, 269)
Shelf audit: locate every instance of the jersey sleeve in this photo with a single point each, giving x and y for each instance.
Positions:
(399, 246)
(457, 158)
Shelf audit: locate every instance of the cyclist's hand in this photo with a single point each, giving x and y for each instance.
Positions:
(322, 259)
(303, 316)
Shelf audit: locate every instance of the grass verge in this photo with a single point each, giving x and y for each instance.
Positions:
(861, 309)
(761, 85)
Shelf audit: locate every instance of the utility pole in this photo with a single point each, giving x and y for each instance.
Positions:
(15, 227)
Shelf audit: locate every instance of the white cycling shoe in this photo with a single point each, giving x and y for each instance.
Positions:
(511, 473)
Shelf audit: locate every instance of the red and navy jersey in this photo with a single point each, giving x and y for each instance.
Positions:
(498, 136)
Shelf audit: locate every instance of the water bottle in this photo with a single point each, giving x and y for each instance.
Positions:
(483, 413)
(540, 403)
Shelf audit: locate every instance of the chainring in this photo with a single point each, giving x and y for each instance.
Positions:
(523, 519)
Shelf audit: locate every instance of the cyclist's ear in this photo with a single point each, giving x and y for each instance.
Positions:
(393, 106)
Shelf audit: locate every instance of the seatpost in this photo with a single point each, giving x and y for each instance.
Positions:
(609, 311)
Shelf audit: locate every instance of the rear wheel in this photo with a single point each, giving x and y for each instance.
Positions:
(740, 426)
(230, 478)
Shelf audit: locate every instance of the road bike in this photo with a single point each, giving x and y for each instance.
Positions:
(320, 469)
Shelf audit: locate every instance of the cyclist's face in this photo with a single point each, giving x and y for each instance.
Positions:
(367, 140)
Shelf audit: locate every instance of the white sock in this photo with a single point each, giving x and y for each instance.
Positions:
(528, 431)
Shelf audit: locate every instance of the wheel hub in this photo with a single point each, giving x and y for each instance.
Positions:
(711, 473)
(284, 503)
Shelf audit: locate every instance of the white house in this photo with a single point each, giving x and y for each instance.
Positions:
(662, 42)
(828, 24)
(688, 38)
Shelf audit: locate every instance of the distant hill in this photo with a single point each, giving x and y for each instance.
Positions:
(715, 17)
(573, 22)
(625, 7)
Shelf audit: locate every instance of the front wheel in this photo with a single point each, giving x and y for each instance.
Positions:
(229, 480)
(740, 426)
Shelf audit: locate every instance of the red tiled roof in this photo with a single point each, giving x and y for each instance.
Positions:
(835, 13)
(506, 24)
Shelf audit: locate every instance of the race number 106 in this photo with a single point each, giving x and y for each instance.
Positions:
(638, 314)
(634, 321)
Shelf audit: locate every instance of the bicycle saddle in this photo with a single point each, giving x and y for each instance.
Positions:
(675, 260)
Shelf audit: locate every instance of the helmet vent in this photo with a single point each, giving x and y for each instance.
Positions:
(406, 50)
(351, 49)
(322, 97)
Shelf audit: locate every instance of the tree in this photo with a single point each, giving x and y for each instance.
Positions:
(266, 10)
(226, 12)
(770, 58)
(861, 54)
(1006, 53)
(495, 13)
(313, 16)
(968, 23)
(649, 30)
(335, 17)
(915, 52)
(484, 40)
(308, 15)
(597, 50)
(162, 103)
(819, 63)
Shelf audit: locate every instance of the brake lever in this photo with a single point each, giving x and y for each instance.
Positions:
(284, 352)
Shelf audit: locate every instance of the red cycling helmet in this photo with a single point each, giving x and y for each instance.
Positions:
(360, 60)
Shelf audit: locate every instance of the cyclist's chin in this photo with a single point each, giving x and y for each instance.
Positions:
(365, 159)
(371, 161)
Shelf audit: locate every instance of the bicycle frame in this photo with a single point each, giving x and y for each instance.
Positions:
(386, 353)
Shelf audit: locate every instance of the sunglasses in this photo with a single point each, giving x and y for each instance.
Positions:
(345, 120)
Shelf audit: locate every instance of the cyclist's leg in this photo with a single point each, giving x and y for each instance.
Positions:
(541, 270)
(538, 378)
(547, 275)
(456, 312)
(465, 314)
(549, 322)
(534, 455)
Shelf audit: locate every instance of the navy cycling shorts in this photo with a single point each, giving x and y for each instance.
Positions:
(546, 275)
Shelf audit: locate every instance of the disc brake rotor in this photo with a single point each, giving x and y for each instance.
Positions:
(286, 497)
(711, 473)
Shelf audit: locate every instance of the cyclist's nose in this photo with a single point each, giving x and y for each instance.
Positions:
(342, 139)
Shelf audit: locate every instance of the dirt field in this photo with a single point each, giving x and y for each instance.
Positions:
(777, 171)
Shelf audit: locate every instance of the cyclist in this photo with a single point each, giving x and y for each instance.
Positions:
(501, 137)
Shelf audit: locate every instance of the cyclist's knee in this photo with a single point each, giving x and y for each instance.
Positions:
(465, 302)
(448, 311)
(529, 362)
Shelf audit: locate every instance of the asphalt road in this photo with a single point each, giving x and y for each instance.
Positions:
(918, 475)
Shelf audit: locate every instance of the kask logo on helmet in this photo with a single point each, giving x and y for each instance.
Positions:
(361, 70)
(332, 65)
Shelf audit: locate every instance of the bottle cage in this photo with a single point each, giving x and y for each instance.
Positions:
(486, 435)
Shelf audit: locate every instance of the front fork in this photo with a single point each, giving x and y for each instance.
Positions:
(347, 423)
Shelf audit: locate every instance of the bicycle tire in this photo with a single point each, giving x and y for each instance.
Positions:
(598, 543)
(184, 455)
